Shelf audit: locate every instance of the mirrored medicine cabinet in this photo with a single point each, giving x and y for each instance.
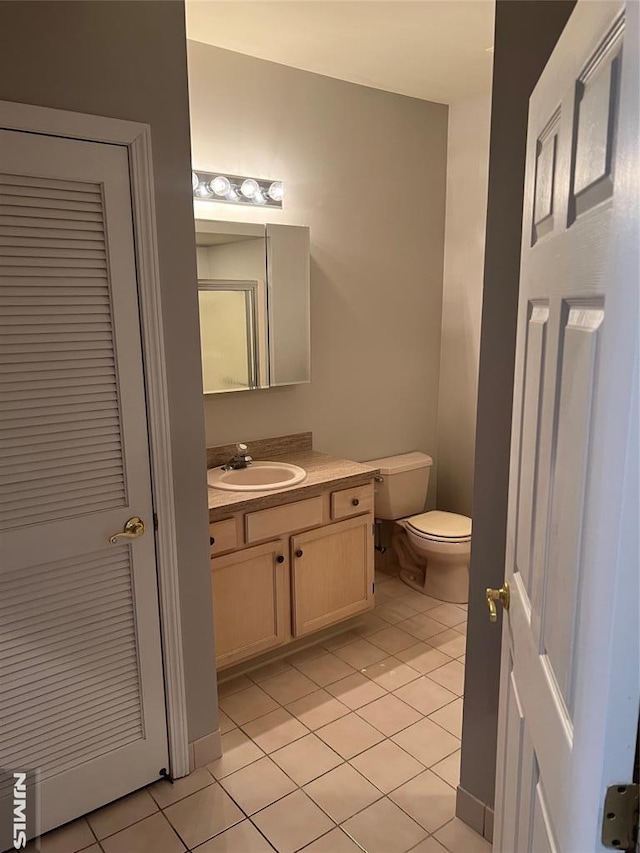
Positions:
(253, 296)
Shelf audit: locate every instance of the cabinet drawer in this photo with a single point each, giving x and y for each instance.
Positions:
(267, 523)
(352, 502)
(223, 536)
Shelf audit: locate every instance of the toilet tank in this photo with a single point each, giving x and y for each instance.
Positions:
(403, 485)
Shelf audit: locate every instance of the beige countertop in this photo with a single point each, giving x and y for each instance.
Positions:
(321, 470)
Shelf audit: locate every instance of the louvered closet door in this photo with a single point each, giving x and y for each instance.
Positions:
(81, 688)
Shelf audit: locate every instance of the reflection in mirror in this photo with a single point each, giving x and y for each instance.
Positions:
(254, 304)
(232, 335)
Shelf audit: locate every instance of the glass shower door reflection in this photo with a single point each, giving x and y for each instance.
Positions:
(227, 337)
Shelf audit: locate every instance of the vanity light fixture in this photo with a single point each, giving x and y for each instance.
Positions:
(236, 189)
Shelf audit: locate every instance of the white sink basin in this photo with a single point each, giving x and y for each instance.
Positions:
(257, 477)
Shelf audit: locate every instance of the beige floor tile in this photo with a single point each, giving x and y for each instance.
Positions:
(392, 639)
(429, 800)
(383, 598)
(451, 642)
(429, 845)
(325, 669)
(461, 628)
(233, 685)
(449, 769)
(269, 670)
(309, 653)
(225, 723)
(342, 792)
(70, 838)
(387, 766)
(306, 759)
(384, 828)
(450, 718)
(289, 686)
(457, 837)
(152, 835)
(258, 785)
(395, 588)
(317, 709)
(390, 673)
(203, 815)
(356, 690)
(339, 640)
(164, 793)
(448, 614)
(421, 603)
(241, 838)
(293, 822)
(371, 624)
(425, 695)
(247, 705)
(463, 659)
(395, 612)
(423, 657)
(422, 626)
(238, 750)
(389, 715)
(335, 841)
(360, 654)
(349, 735)
(451, 676)
(427, 742)
(122, 813)
(275, 730)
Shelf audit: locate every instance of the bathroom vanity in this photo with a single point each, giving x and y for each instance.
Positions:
(290, 562)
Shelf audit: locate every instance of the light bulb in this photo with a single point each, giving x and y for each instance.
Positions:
(249, 188)
(276, 191)
(233, 195)
(259, 198)
(195, 180)
(203, 190)
(220, 185)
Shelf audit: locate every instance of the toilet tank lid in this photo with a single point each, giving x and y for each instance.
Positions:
(401, 463)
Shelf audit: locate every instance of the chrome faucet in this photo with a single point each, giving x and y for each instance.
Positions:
(240, 460)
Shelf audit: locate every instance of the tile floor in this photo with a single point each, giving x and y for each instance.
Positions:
(351, 745)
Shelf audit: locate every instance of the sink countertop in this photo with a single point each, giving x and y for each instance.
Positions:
(321, 470)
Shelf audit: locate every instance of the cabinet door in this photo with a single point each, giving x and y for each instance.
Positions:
(250, 602)
(332, 574)
(288, 275)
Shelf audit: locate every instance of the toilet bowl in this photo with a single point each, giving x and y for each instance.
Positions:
(433, 560)
(433, 548)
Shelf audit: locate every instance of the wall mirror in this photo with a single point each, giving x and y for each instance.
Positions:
(253, 295)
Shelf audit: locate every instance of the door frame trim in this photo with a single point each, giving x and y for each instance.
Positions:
(137, 138)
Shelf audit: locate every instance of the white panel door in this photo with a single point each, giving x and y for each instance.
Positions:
(570, 652)
(81, 683)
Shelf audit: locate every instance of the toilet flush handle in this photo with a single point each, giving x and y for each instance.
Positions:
(503, 595)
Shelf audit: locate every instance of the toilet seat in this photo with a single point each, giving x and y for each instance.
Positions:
(438, 526)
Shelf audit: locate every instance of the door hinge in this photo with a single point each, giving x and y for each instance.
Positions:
(155, 521)
(620, 817)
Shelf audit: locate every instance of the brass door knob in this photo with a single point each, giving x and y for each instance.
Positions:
(132, 530)
(503, 595)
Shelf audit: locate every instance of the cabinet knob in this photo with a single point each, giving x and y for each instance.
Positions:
(355, 502)
(299, 553)
(279, 559)
(212, 540)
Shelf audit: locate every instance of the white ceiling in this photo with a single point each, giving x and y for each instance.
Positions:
(438, 50)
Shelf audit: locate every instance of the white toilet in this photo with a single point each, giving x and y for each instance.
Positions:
(433, 548)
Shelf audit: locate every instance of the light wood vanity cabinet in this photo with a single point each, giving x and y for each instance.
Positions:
(311, 573)
(250, 591)
(331, 573)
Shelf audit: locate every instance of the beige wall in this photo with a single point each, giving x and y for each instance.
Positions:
(467, 175)
(365, 169)
(127, 60)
